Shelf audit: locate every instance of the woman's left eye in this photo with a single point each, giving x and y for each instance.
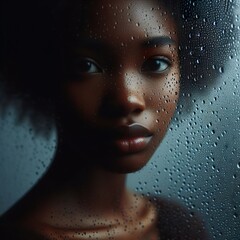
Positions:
(156, 65)
(87, 66)
(79, 66)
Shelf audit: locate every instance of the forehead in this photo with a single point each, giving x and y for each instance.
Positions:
(121, 19)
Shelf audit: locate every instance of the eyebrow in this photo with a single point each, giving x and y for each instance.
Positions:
(101, 46)
(159, 41)
(97, 45)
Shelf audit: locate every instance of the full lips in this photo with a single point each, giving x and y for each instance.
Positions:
(132, 145)
(131, 138)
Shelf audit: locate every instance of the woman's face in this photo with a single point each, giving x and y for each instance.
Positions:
(122, 82)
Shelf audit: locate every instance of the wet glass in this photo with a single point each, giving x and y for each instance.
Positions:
(197, 164)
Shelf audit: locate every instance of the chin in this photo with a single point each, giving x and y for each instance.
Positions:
(128, 163)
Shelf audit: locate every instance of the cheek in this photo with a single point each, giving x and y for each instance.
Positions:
(83, 98)
(165, 100)
(166, 92)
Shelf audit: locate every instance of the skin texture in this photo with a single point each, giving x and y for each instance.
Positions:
(116, 90)
(122, 70)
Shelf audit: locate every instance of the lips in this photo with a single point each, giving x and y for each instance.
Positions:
(131, 139)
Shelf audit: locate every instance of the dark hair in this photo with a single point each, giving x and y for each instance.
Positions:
(30, 58)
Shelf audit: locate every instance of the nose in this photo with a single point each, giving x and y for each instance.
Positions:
(125, 96)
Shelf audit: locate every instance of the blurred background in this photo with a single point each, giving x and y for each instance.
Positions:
(197, 164)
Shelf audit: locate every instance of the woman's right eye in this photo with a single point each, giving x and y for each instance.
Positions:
(157, 64)
(87, 66)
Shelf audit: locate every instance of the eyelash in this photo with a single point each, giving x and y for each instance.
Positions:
(89, 66)
(146, 67)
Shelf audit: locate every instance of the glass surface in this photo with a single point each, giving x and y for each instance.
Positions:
(196, 165)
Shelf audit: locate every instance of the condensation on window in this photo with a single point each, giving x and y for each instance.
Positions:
(196, 165)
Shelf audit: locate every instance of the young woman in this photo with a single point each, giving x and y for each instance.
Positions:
(112, 72)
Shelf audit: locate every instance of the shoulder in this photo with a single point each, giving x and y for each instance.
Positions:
(12, 225)
(11, 229)
(175, 222)
(9, 226)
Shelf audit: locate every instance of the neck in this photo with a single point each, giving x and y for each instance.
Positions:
(72, 178)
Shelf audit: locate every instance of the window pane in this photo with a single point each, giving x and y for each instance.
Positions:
(196, 166)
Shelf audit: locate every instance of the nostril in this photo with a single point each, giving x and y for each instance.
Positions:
(110, 110)
(121, 106)
(138, 110)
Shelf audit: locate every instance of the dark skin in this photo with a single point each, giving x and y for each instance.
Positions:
(119, 95)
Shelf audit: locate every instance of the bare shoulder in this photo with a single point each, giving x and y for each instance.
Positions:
(176, 222)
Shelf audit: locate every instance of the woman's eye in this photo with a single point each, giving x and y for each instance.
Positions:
(156, 65)
(87, 66)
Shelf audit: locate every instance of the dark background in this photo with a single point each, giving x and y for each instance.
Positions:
(197, 164)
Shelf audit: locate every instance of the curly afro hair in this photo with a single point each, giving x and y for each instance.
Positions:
(31, 58)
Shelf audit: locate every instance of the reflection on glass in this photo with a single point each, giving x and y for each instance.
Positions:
(111, 75)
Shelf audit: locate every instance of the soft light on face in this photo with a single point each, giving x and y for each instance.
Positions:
(122, 81)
